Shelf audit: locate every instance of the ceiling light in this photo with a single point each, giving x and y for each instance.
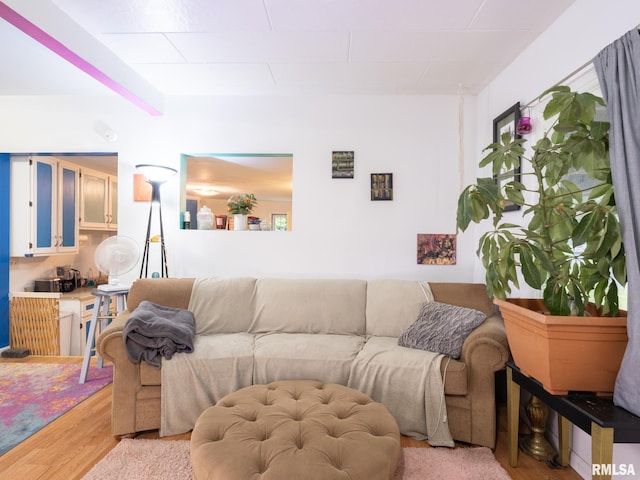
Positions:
(204, 191)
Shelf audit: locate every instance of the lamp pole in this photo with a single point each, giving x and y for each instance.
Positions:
(156, 176)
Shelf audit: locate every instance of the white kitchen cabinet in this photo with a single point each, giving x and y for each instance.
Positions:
(98, 200)
(44, 206)
(75, 307)
(80, 304)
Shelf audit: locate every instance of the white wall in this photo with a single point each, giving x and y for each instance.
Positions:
(23, 271)
(338, 231)
(572, 41)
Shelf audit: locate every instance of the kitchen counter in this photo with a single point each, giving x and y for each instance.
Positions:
(76, 308)
(81, 294)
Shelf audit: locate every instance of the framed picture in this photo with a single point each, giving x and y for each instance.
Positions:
(436, 249)
(141, 188)
(507, 122)
(382, 186)
(342, 163)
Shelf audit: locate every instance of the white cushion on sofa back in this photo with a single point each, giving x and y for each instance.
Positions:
(222, 305)
(393, 305)
(309, 306)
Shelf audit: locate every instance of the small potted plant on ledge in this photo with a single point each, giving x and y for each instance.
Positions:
(571, 248)
(240, 206)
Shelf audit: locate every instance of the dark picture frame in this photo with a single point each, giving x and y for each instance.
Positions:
(382, 186)
(507, 121)
(342, 164)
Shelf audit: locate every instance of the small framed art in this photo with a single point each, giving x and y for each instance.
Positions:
(436, 249)
(342, 164)
(382, 186)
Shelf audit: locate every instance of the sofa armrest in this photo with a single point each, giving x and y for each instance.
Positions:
(485, 351)
(487, 345)
(112, 333)
(126, 376)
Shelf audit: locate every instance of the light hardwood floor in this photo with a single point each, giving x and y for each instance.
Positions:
(67, 448)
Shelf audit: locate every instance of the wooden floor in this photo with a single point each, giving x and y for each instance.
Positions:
(67, 448)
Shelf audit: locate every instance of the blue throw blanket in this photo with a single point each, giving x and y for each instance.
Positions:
(154, 330)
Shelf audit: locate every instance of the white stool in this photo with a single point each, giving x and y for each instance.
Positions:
(103, 301)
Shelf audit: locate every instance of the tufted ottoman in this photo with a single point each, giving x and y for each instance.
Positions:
(295, 430)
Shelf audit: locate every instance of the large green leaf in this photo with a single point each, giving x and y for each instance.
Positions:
(513, 193)
(603, 191)
(555, 298)
(619, 267)
(584, 229)
(612, 305)
(610, 239)
(463, 216)
(600, 130)
(543, 258)
(530, 271)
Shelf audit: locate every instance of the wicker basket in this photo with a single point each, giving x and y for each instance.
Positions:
(34, 323)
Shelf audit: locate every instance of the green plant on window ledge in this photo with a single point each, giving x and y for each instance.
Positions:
(241, 204)
(571, 248)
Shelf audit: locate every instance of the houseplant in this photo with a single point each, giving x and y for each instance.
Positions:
(240, 206)
(570, 247)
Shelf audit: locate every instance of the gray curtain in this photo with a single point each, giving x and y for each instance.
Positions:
(618, 69)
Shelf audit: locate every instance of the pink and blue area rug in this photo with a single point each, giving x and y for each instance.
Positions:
(34, 394)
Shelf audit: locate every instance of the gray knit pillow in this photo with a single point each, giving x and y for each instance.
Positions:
(441, 328)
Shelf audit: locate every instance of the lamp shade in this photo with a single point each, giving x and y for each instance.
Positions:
(156, 173)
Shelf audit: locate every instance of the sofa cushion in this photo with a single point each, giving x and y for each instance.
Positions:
(191, 382)
(303, 356)
(393, 305)
(441, 328)
(149, 375)
(222, 305)
(408, 382)
(309, 306)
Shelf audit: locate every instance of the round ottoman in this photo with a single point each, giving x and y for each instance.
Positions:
(295, 430)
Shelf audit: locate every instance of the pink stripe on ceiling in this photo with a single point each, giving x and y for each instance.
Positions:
(42, 37)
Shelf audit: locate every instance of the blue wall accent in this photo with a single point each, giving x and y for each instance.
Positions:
(69, 201)
(44, 204)
(4, 248)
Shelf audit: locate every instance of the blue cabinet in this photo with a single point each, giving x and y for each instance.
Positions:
(44, 206)
(5, 187)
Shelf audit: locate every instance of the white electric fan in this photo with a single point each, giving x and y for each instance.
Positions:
(116, 256)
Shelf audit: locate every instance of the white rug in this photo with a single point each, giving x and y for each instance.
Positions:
(170, 460)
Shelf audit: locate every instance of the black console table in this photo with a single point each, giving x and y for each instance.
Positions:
(598, 416)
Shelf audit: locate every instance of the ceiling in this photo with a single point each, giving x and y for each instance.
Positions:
(268, 176)
(272, 47)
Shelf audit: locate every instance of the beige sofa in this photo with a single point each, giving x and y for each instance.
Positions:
(317, 329)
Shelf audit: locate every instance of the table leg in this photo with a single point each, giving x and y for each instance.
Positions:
(564, 440)
(513, 417)
(601, 449)
(104, 320)
(121, 302)
(91, 335)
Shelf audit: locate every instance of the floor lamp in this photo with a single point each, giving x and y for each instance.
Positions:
(156, 175)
